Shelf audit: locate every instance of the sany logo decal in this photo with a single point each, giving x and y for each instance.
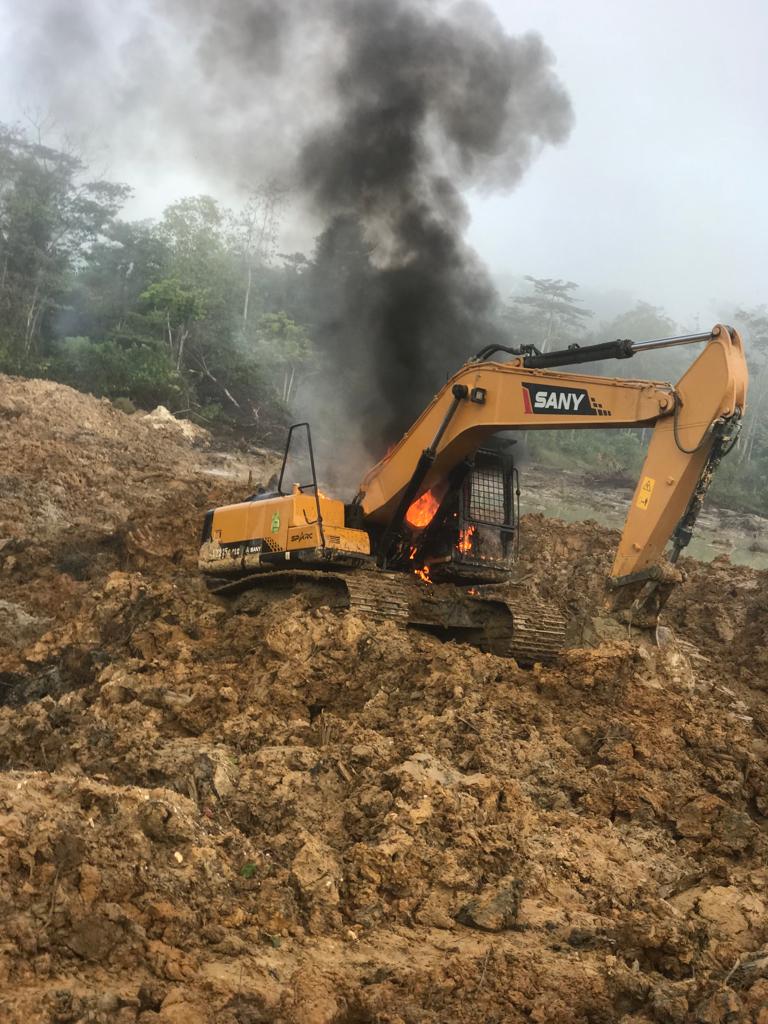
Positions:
(548, 400)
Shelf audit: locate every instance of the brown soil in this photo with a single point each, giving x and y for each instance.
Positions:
(297, 817)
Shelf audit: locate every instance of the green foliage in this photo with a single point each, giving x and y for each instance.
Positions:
(615, 454)
(107, 370)
(176, 304)
(151, 313)
(51, 216)
(754, 443)
(742, 488)
(284, 348)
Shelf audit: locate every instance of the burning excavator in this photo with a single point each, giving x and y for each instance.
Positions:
(443, 506)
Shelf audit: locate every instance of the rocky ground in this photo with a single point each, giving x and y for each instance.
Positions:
(296, 817)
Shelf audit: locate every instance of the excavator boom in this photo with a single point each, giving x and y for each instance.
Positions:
(485, 398)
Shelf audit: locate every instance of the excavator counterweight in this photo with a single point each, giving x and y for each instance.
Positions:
(429, 539)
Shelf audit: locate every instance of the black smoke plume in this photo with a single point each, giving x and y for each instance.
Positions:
(380, 113)
(427, 103)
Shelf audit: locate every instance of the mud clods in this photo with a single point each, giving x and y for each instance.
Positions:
(295, 815)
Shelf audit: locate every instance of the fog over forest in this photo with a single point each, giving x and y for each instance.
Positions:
(233, 208)
(657, 194)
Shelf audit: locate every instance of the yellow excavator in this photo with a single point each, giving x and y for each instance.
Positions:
(429, 539)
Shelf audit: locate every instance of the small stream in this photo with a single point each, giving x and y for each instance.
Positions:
(740, 535)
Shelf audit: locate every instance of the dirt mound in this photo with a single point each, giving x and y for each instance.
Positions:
(162, 419)
(62, 453)
(291, 816)
(85, 489)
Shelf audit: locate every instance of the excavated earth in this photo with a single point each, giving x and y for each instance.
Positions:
(293, 816)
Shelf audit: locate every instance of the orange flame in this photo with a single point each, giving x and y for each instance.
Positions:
(423, 574)
(422, 511)
(465, 539)
(412, 553)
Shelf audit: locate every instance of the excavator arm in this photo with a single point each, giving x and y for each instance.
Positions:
(693, 422)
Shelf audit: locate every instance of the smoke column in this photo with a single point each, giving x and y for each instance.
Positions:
(428, 103)
(379, 113)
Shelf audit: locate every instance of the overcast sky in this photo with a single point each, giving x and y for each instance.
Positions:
(659, 192)
(661, 188)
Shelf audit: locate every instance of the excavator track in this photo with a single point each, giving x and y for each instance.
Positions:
(490, 617)
(538, 632)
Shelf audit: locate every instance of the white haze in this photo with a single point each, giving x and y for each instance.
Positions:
(660, 191)
(658, 194)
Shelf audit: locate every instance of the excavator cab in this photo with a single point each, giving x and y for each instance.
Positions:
(489, 510)
(473, 536)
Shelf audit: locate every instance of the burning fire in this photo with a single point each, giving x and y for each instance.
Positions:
(422, 511)
(465, 539)
(423, 574)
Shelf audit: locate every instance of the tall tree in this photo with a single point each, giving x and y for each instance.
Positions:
(254, 235)
(551, 315)
(51, 215)
(285, 349)
(176, 310)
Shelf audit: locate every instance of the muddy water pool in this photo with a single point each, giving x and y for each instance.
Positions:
(741, 536)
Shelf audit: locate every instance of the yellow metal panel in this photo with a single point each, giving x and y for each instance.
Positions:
(344, 539)
(251, 519)
(515, 398)
(281, 523)
(303, 537)
(339, 538)
(305, 510)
